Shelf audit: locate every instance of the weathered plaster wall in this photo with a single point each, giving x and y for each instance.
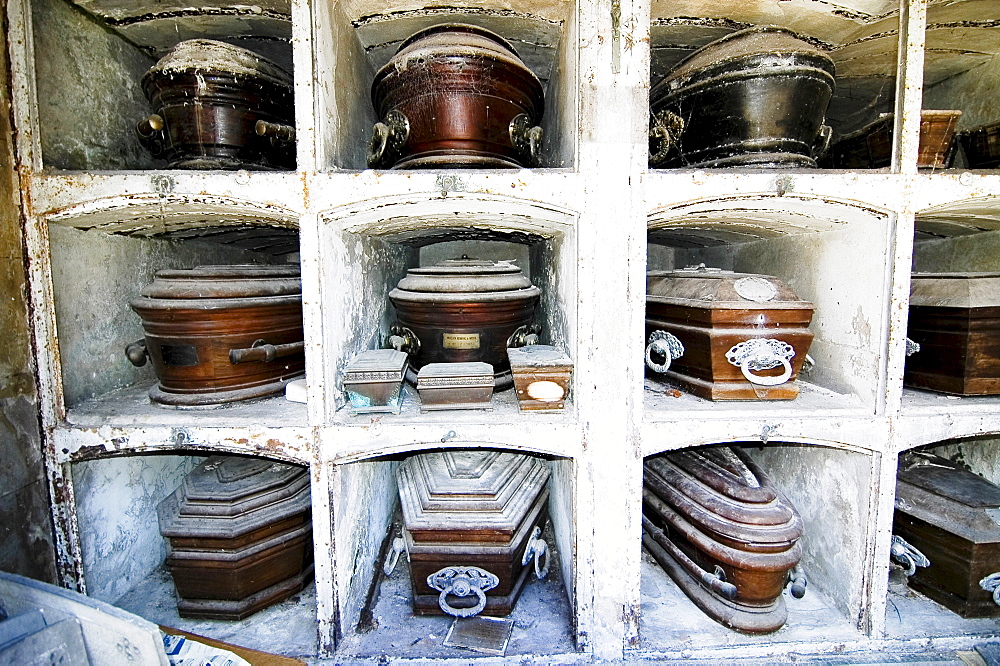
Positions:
(116, 501)
(974, 92)
(91, 123)
(94, 276)
(975, 252)
(830, 489)
(562, 500)
(26, 543)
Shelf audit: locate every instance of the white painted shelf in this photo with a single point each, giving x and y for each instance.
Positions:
(100, 219)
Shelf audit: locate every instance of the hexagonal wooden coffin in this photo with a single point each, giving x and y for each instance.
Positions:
(955, 319)
(716, 316)
(952, 516)
(240, 536)
(471, 508)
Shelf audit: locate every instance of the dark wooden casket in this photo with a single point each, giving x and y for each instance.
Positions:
(981, 146)
(955, 320)
(756, 97)
(952, 516)
(218, 334)
(464, 310)
(723, 533)
(724, 335)
(218, 106)
(240, 536)
(471, 526)
(458, 96)
(871, 146)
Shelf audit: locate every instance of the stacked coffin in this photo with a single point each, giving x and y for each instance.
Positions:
(240, 536)
(724, 335)
(723, 533)
(471, 527)
(952, 517)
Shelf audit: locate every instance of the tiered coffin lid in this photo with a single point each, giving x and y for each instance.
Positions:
(713, 288)
(941, 493)
(955, 290)
(722, 492)
(228, 496)
(223, 282)
(478, 495)
(208, 56)
(458, 280)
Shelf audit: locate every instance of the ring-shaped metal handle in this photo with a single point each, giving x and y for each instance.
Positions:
(991, 583)
(462, 581)
(398, 547)
(762, 380)
(537, 548)
(666, 345)
(457, 588)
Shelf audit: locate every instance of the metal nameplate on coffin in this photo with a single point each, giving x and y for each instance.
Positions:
(179, 355)
(460, 340)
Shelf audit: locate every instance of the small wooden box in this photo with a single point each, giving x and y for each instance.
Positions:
(954, 318)
(471, 508)
(455, 386)
(374, 381)
(542, 376)
(240, 536)
(719, 318)
(952, 516)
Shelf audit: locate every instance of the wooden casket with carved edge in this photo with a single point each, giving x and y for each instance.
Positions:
(218, 334)
(952, 517)
(719, 528)
(472, 521)
(955, 322)
(240, 536)
(726, 336)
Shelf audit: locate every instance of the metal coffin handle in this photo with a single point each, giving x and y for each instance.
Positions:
(666, 345)
(665, 129)
(537, 549)
(991, 583)
(137, 353)
(762, 354)
(262, 351)
(152, 134)
(387, 139)
(526, 139)
(403, 339)
(797, 582)
(277, 131)
(906, 555)
(462, 582)
(524, 335)
(398, 548)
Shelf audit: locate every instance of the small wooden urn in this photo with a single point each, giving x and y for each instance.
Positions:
(457, 96)
(218, 106)
(542, 376)
(455, 386)
(240, 536)
(374, 381)
(218, 334)
(471, 526)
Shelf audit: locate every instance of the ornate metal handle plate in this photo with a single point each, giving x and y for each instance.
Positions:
(537, 549)
(388, 138)
(403, 339)
(665, 129)
(759, 354)
(905, 554)
(666, 345)
(524, 335)
(526, 139)
(462, 582)
(912, 347)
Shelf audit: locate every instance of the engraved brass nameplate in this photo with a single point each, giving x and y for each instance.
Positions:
(461, 341)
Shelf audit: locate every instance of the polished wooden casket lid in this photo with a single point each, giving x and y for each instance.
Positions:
(468, 495)
(457, 280)
(942, 493)
(955, 290)
(714, 288)
(228, 496)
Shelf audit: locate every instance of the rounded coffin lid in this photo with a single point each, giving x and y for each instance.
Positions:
(469, 490)
(457, 280)
(210, 56)
(723, 53)
(235, 281)
(703, 287)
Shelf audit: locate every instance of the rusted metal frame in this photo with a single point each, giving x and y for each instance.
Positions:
(69, 559)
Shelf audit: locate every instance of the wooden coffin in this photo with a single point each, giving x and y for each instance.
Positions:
(374, 381)
(458, 96)
(218, 334)
(462, 311)
(952, 516)
(871, 146)
(445, 386)
(955, 320)
(475, 509)
(728, 538)
(981, 146)
(240, 536)
(542, 377)
(756, 97)
(726, 336)
(218, 106)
